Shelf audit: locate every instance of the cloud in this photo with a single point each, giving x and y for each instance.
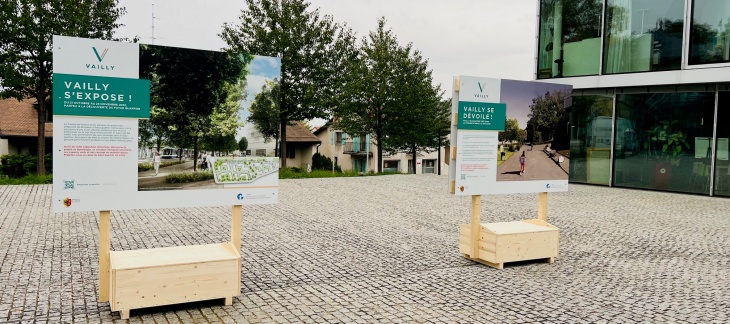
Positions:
(490, 38)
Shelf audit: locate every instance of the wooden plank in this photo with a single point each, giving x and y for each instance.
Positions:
(505, 228)
(228, 301)
(476, 208)
(457, 84)
(453, 186)
(455, 120)
(453, 153)
(539, 222)
(146, 258)
(491, 264)
(527, 246)
(104, 248)
(139, 288)
(124, 314)
(236, 227)
(542, 206)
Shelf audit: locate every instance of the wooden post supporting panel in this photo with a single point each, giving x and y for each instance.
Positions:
(542, 206)
(104, 248)
(236, 227)
(476, 207)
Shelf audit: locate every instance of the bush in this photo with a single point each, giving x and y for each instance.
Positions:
(183, 177)
(517, 147)
(321, 162)
(511, 148)
(21, 165)
(27, 180)
(145, 166)
(288, 173)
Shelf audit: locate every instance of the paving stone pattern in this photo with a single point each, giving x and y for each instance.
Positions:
(385, 249)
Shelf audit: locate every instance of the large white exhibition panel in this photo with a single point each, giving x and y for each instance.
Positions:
(474, 167)
(95, 157)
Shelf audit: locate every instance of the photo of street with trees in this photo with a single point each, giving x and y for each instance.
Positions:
(535, 144)
(195, 99)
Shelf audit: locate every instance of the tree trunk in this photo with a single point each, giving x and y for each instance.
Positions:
(413, 154)
(439, 155)
(282, 146)
(41, 169)
(379, 143)
(195, 153)
(276, 147)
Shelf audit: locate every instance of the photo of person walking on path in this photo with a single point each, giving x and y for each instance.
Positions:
(522, 163)
(157, 160)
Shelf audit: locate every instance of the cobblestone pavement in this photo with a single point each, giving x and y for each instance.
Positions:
(384, 249)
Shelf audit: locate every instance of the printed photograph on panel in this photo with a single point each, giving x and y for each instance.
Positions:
(535, 144)
(199, 102)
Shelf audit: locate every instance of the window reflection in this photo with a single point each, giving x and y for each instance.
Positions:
(591, 126)
(710, 34)
(643, 35)
(673, 134)
(722, 163)
(570, 38)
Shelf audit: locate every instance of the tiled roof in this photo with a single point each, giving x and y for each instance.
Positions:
(299, 133)
(19, 118)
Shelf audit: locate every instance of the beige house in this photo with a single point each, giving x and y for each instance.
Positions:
(353, 153)
(301, 144)
(19, 128)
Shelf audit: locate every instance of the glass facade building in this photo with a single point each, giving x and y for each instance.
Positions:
(651, 98)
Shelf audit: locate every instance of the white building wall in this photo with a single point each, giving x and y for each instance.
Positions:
(256, 140)
(4, 147)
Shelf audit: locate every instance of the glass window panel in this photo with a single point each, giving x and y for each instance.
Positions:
(590, 139)
(722, 156)
(570, 38)
(643, 35)
(672, 132)
(710, 34)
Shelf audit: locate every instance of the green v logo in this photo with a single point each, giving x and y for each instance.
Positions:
(101, 56)
(481, 88)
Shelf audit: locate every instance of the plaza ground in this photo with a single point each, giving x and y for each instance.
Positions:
(385, 249)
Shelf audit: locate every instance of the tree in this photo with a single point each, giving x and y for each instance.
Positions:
(26, 46)
(312, 50)
(512, 131)
(389, 95)
(546, 113)
(193, 91)
(265, 113)
(243, 145)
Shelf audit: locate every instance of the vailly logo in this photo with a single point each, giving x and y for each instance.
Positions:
(481, 91)
(100, 55)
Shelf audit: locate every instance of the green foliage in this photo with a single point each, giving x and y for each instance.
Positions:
(21, 165)
(512, 131)
(297, 173)
(545, 114)
(145, 166)
(667, 142)
(265, 113)
(193, 92)
(390, 95)
(321, 162)
(26, 39)
(312, 48)
(183, 177)
(243, 145)
(27, 180)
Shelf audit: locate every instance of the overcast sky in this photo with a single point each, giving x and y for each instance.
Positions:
(491, 38)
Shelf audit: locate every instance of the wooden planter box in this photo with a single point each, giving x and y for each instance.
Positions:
(172, 275)
(500, 243)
